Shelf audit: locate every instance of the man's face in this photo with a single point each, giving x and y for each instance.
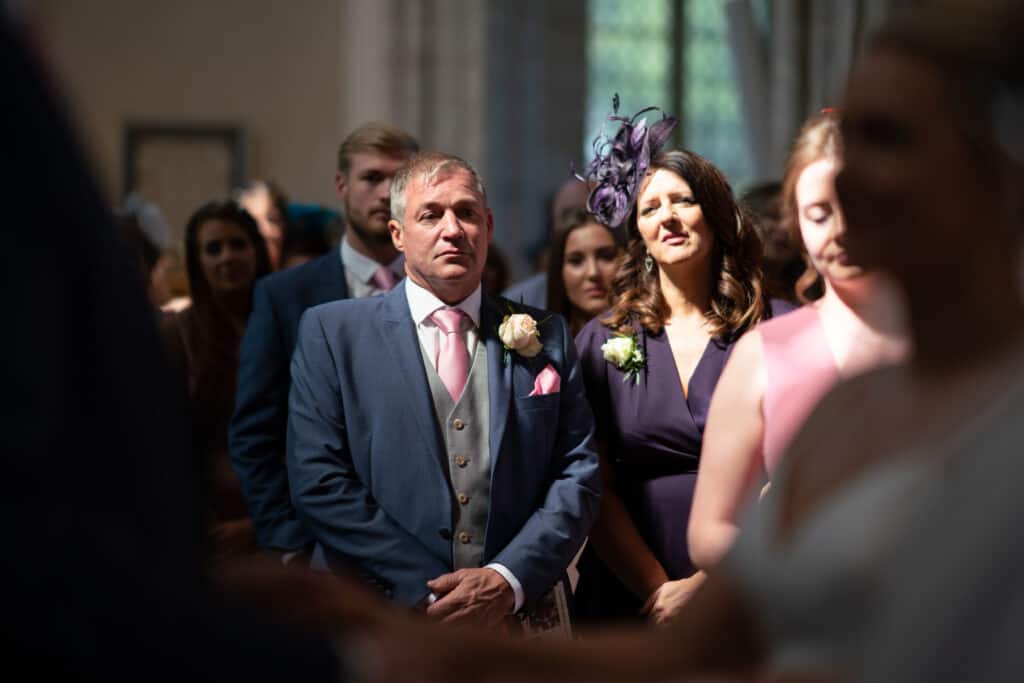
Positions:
(444, 234)
(364, 192)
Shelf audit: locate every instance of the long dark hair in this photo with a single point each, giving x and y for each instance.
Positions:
(738, 298)
(558, 300)
(231, 211)
(214, 336)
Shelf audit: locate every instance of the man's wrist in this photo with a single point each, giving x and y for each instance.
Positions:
(517, 588)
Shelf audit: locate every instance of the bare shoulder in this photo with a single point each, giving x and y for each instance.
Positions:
(743, 374)
(749, 350)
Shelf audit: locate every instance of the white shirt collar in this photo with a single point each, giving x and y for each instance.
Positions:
(363, 267)
(423, 302)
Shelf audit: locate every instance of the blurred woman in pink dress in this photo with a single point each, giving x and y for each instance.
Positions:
(779, 372)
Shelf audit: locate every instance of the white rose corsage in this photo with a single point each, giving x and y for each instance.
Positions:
(623, 351)
(518, 332)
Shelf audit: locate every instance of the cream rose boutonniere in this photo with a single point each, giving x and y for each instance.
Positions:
(518, 332)
(623, 351)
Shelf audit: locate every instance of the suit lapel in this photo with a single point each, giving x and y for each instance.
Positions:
(499, 374)
(403, 345)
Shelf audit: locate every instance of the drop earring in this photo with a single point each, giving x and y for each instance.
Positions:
(649, 263)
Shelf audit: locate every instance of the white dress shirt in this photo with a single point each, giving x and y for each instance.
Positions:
(359, 270)
(422, 304)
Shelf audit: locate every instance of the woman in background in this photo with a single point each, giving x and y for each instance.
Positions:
(784, 261)
(225, 254)
(581, 265)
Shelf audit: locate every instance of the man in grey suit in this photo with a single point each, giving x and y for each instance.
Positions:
(438, 444)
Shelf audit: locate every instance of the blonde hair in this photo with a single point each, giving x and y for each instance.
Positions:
(380, 138)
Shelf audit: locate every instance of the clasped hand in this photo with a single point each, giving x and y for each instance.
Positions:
(669, 598)
(471, 595)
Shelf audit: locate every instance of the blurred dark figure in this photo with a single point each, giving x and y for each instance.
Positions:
(267, 203)
(224, 255)
(100, 577)
(301, 246)
(495, 278)
(783, 262)
(146, 256)
(567, 200)
(584, 256)
(308, 236)
(570, 196)
(947, 83)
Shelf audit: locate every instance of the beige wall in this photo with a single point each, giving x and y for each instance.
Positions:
(271, 67)
(498, 83)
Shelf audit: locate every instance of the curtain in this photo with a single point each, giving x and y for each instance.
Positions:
(793, 62)
(500, 84)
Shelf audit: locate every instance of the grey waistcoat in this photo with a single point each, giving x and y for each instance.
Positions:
(464, 430)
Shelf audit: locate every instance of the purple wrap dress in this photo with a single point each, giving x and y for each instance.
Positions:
(652, 435)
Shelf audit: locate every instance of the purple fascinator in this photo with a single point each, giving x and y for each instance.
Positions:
(620, 163)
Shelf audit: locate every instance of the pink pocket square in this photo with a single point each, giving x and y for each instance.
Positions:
(547, 382)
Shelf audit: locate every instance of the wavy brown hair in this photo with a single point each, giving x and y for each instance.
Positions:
(738, 298)
(818, 139)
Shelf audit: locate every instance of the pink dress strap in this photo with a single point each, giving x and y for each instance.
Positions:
(799, 371)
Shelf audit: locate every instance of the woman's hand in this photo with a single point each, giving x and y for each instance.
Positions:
(668, 599)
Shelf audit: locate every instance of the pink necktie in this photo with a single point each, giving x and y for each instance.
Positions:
(384, 279)
(452, 355)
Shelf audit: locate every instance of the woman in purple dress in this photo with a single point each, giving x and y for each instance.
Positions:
(689, 285)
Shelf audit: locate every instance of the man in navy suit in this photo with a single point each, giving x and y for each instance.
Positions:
(450, 463)
(366, 263)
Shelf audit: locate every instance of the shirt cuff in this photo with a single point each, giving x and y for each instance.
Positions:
(517, 588)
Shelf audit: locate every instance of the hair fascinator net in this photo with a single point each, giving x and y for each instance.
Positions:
(620, 163)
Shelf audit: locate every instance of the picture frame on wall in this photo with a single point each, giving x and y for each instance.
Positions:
(179, 166)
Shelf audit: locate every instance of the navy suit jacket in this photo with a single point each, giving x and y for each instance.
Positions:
(258, 426)
(367, 465)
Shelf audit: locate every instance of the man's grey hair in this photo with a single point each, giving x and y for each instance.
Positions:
(427, 166)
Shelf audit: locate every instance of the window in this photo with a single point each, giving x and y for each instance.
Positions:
(674, 54)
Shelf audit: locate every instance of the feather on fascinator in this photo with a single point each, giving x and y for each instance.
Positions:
(620, 163)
